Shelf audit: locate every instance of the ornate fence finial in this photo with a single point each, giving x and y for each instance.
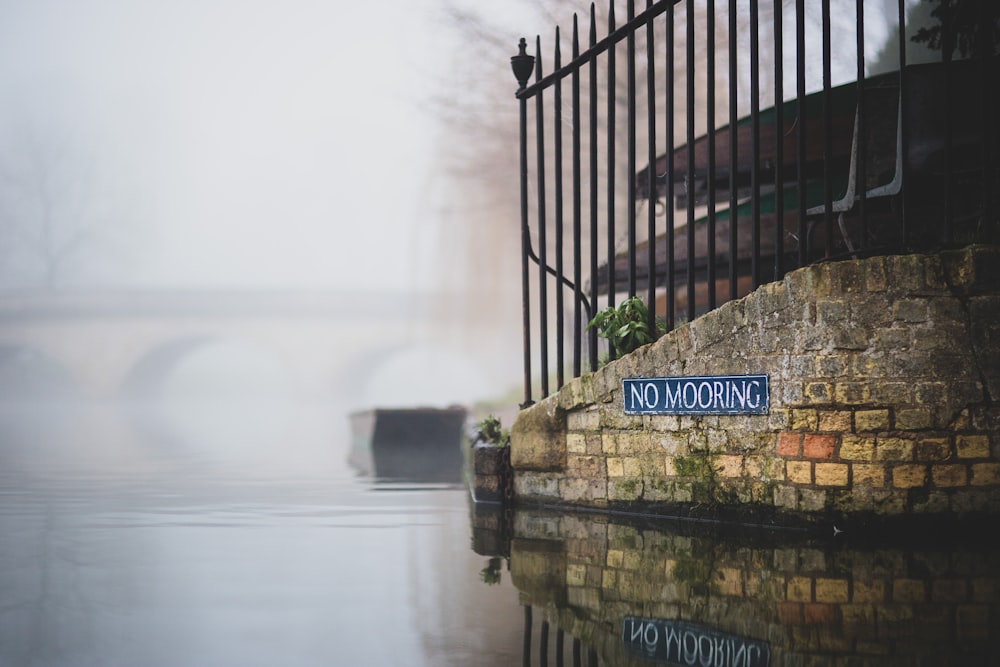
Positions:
(522, 64)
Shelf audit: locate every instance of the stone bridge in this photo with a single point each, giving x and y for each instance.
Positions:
(104, 344)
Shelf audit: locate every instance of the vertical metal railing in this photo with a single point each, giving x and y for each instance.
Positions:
(742, 189)
(545, 642)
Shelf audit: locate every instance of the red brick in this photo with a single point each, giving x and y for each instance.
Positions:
(818, 446)
(790, 613)
(817, 613)
(788, 444)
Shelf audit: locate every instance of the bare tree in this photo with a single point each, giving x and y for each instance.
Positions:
(45, 212)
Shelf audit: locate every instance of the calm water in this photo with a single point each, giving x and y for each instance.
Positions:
(182, 538)
(125, 542)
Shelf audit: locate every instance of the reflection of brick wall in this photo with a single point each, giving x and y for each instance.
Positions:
(940, 604)
(884, 375)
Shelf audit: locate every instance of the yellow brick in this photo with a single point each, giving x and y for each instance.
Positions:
(894, 449)
(985, 474)
(908, 476)
(633, 442)
(576, 574)
(632, 560)
(949, 475)
(831, 590)
(669, 469)
(868, 591)
(799, 472)
(908, 590)
(804, 420)
(856, 448)
(615, 558)
(609, 444)
(914, 419)
(864, 473)
(871, 420)
(819, 392)
(799, 589)
(576, 443)
(615, 467)
(831, 474)
(852, 393)
(972, 447)
(933, 449)
(633, 467)
(729, 581)
(583, 466)
(729, 465)
(835, 420)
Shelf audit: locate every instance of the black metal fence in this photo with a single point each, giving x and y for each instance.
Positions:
(869, 128)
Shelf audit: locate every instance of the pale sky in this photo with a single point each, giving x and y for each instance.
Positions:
(233, 142)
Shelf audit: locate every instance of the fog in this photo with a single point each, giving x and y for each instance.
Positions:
(228, 143)
(236, 146)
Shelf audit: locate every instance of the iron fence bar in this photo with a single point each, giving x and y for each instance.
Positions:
(800, 134)
(987, 67)
(525, 239)
(543, 346)
(543, 644)
(577, 222)
(689, 179)
(577, 653)
(861, 165)
(612, 99)
(630, 160)
(988, 72)
(669, 173)
(527, 635)
(827, 133)
(560, 639)
(558, 168)
(651, 174)
(779, 144)
(755, 144)
(710, 125)
(903, 134)
(592, 82)
(614, 36)
(733, 151)
(947, 44)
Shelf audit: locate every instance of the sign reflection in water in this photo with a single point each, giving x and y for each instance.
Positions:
(781, 599)
(681, 643)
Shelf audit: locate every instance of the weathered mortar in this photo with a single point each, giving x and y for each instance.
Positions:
(884, 375)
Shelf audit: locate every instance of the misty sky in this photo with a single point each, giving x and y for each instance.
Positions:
(231, 142)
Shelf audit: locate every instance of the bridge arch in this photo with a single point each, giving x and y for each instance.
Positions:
(248, 366)
(28, 374)
(413, 373)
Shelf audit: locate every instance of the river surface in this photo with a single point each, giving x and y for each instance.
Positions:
(240, 536)
(128, 541)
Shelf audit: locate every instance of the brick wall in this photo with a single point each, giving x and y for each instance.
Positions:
(885, 400)
(807, 600)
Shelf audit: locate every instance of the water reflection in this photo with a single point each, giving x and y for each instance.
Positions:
(122, 547)
(638, 594)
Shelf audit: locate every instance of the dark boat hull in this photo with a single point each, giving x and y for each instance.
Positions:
(409, 444)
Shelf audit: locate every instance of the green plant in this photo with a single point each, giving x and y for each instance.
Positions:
(491, 432)
(626, 327)
(490, 575)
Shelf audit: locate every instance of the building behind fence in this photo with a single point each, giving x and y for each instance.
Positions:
(689, 152)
